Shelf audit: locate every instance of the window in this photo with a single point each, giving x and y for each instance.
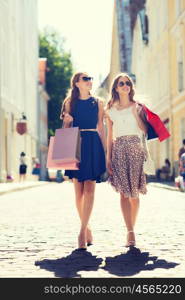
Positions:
(144, 25)
(182, 129)
(180, 70)
(180, 75)
(178, 7)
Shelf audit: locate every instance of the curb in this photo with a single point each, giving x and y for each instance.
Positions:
(159, 185)
(19, 188)
(164, 186)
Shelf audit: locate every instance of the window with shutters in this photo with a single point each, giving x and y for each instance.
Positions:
(182, 129)
(180, 70)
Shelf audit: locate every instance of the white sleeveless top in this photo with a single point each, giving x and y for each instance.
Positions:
(124, 122)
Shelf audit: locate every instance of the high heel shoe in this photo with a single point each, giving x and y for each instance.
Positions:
(81, 243)
(89, 237)
(130, 243)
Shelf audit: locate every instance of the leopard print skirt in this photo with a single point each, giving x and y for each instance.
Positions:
(127, 161)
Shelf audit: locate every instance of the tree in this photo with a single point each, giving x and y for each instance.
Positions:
(59, 72)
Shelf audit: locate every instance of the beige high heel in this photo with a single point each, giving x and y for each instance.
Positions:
(81, 243)
(131, 243)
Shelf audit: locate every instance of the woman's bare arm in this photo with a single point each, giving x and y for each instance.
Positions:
(109, 124)
(100, 125)
(140, 122)
(67, 118)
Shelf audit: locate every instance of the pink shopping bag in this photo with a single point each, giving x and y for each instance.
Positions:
(66, 146)
(51, 164)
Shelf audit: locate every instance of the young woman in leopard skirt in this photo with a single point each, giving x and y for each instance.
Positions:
(125, 152)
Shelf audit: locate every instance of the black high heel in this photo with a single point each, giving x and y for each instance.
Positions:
(90, 243)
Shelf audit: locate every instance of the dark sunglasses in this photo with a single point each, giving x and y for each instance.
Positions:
(85, 78)
(121, 83)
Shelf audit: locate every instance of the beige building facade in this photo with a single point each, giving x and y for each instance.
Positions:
(159, 70)
(18, 83)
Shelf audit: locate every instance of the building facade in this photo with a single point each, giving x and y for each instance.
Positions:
(18, 83)
(159, 69)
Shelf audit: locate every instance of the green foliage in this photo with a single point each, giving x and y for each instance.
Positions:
(59, 72)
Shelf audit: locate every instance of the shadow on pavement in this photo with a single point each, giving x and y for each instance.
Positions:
(69, 266)
(133, 262)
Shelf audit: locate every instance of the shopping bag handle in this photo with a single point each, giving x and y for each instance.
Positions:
(71, 125)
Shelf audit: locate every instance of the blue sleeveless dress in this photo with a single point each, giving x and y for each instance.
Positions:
(92, 164)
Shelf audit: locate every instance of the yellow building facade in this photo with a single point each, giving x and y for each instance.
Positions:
(177, 72)
(159, 69)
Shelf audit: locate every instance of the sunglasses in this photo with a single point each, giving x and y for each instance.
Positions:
(122, 83)
(86, 78)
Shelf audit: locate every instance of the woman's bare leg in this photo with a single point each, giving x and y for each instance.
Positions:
(134, 209)
(126, 208)
(89, 189)
(79, 196)
(79, 187)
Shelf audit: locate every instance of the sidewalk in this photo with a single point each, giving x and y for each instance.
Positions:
(7, 187)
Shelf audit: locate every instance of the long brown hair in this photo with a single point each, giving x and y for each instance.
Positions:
(74, 93)
(114, 93)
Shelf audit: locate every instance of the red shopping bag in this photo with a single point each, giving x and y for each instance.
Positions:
(52, 164)
(157, 124)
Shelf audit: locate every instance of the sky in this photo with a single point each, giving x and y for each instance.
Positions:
(87, 27)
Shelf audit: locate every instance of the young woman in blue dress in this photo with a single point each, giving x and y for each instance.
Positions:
(86, 112)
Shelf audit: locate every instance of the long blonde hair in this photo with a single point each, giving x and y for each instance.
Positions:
(114, 93)
(73, 95)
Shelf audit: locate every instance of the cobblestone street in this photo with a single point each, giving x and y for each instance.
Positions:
(39, 228)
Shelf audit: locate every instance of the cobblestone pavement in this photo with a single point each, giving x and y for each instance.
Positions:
(39, 228)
